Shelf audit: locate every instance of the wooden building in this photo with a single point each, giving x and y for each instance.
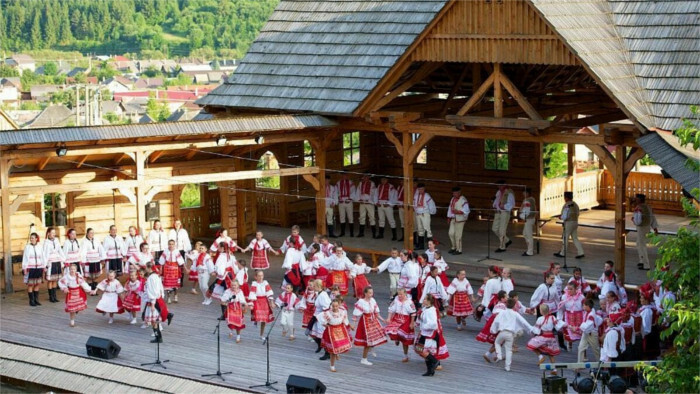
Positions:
(444, 91)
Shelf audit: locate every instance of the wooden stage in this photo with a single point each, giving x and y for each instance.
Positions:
(191, 347)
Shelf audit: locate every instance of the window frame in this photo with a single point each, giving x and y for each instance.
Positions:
(53, 210)
(309, 156)
(259, 182)
(498, 153)
(422, 157)
(354, 149)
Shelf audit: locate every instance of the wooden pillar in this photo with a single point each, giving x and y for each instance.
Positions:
(497, 92)
(321, 192)
(620, 208)
(140, 158)
(6, 223)
(408, 193)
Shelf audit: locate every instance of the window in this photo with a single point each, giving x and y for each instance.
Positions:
(496, 155)
(351, 148)
(191, 196)
(309, 155)
(268, 161)
(55, 210)
(422, 157)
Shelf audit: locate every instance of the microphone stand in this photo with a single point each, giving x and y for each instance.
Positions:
(269, 385)
(566, 244)
(158, 361)
(218, 373)
(488, 242)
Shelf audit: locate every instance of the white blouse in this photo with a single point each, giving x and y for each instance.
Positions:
(363, 306)
(260, 289)
(460, 286)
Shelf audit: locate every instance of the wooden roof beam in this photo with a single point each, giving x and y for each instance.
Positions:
(418, 76)
(632, 157)
(506, 123)
(455, 89)
(518, 96)
(42, 163)
(592, 120)
(604, 155)
(478, 94)
(81, 161)
(155, 156)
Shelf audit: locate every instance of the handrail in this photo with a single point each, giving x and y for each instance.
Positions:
(613, 364)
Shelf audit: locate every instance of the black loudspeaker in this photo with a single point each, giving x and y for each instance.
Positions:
(102, 348)
(301, 384)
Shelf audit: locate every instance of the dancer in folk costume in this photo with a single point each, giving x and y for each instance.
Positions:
(138, 260)
(259, 246)
(485, 334)
(132, 242)
(402, 322)
(156, 309)
(293, 249)
(54, 258)
(115, 251)
(310, 266)
(393, 264)
(545, 342)
(546, 293)
(221, 236)
(457, 214)
(431, 344)
(92, 254)
(370, 332)
(570, 310)
(71, 251)
(204, 267)
(307, 305)
(424, 207)
(442, 268)
(366, 195)
(508, 325)
(610, 283)
(335, 338)
(315, 240)
(386, 199)
(157, 240)
(493, 285)
(331, 199)
(459, 306)
(528, 213)
(322, 302)
(358, 273)
(288, 302)
(346, 196)
(430, 252)
(424, 273)
(192, 273)
(507, 282)
(555, 268)
(580, 282)
(614, 338)
(33, 267)
(589, 332)
(649, 315)
(75, 287)
(236, 306)
(181, 238)
(134, 289)
(224, 267)
(261, 297)
(172, 263)
(110, 302)
(326, 247)
(433, 285)
(410, 274)
(400, 201)
(338, 266)
(240, 274)
(502, 205)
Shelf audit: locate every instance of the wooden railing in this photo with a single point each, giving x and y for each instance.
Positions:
(585, 188)
(663, 194)
(269, 208)
(192, 221)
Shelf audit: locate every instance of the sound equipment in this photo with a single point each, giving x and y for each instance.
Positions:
(301, 384)
(153, 211)
(554, 385)
(102, 348)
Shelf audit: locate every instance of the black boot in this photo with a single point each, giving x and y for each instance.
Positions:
(362, 231)
(159, 335)
(352, 229)
(223, 313)
(325, 356)
(31, 298)
(401, 237)
(431, 362)
(342, 230)
(55, 297)
(393, 234)
(52, 295)
(170, 317)
(415, 240)
(330, 231)
(374, 232)
(36, 298)
(380, 232)
(318, 344)
(421, 243)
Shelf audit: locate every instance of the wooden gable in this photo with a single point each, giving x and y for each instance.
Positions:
(480, 31)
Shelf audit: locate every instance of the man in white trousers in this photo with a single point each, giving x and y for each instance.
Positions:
(457, 214)
(502, 205)
(424, 206)
(386, 199)
(346, 195)
(331, 202)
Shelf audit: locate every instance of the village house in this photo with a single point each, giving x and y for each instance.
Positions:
(21, 62)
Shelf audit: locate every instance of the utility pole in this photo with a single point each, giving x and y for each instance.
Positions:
(77, 105)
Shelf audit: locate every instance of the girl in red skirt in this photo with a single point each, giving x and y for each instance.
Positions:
(571, 311)
(308, 305)
(192, 256)
(259, 246)
(402, 322)
(369, 332)
(134, 289)
(110, 301)
(261, 297)
(545, 343)
(336, 338)
(485, 334)
(172, 262)
(460, 306)
(338, 266)
(310, 266)
(236, 306)
(357, 273)
(431, 344)
(75, 287)
(442, 268)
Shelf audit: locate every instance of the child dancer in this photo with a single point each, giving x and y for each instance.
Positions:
(110, 301)
(33, 266)
(402, 322)
(433, 285)
(134, 288)
(236, 306)
(614, 342)
(261, 297)
(430, 252)
(491, 289)
(431, 344)
(357, 273)
(223, 268)
(442, 268)
(485, 334)
(92, 254)
(507, 282)
(571, 311)
(260, 246)
(221, 236)
(589, 331)
(157, 240)
(288, 302)
(580, 281)
(546, 293)
(204, 268)
(460, 290)
(240, 269)
(369, 332)
(54, 258)
(133, 242)
(192, 256)
(327, 248)
(156, 309)
(71, 250)
(172, 263)
(338, 266)
(310, 266)
(293, 249)
(75, 287)
(393, 264)
(336, 339)
(308, 305)
(507, 324)
(138, 261)
(322, 303)
(545, 342)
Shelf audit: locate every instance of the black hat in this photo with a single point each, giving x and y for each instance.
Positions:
(641, 197)
(500, 182)
(568, 194)
(456, 189)
(418, 186)
(328, 176)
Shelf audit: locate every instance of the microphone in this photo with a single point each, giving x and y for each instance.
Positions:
(264, 340)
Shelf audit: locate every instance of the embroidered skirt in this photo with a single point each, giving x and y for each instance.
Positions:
(460, 305)
(399, 329)
(336, 339)
(369, 332)
(76, 300)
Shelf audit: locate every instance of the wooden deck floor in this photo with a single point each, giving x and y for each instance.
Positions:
(191, 347)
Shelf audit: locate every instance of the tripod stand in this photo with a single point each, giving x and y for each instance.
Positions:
(158, 361)
(268, 384)
(488, 241)
(218, 373)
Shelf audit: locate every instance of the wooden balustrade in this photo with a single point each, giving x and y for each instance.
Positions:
(663, 194)
(192, 221)
(269, 208)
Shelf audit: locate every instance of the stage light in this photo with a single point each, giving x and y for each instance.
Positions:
(617, 384)
(259, 140)
(60, 152)
(583, 384)
(221, 140)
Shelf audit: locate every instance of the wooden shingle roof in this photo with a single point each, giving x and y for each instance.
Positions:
(664, 148)
(323, 56)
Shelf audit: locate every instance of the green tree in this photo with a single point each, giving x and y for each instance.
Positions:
(80, 77)
(554, 159)
(678, 267)
(50, 27)
(35, 38)
(28, 79)
(50, 69)
(7, 71)
(157, 111)
(151, 72)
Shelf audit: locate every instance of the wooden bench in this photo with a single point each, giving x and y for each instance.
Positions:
(374, 254)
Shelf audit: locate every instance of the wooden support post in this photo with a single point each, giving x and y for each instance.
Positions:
(620, 179)
(320, 146)
(140, 191)
(408, 193)
(497, 92)
(6, 223)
